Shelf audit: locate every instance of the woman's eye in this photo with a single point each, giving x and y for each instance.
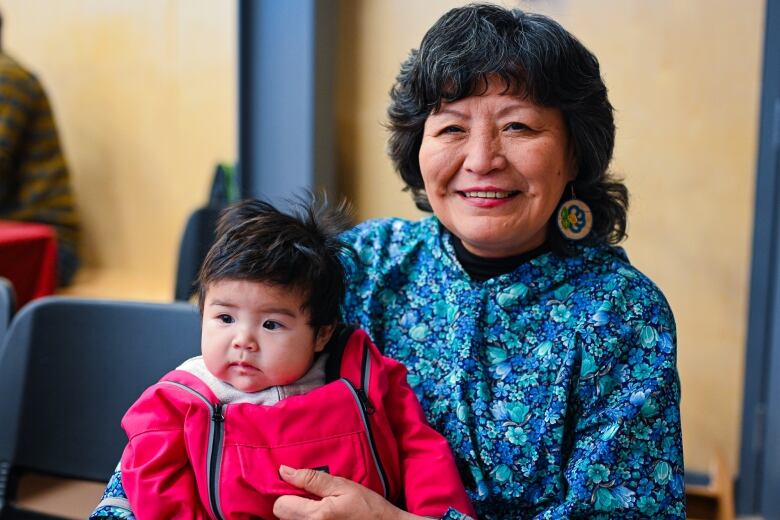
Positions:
(516, 127)
(271, 325)
(225, 318)
(452, 129)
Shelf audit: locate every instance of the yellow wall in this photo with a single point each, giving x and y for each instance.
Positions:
(144, 95)
(684, 78)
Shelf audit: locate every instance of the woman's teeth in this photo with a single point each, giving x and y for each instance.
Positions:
(488, 194)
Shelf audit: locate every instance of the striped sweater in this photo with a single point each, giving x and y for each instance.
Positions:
(34, 181)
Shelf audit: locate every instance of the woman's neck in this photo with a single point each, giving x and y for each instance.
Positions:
(480, 268)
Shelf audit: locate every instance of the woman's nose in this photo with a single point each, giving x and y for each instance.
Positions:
(484, 153)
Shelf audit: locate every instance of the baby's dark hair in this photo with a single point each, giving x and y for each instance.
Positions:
(300, 250)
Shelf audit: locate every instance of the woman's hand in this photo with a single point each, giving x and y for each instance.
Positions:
(342, 499)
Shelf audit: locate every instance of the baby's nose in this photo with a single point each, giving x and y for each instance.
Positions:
(245, 342)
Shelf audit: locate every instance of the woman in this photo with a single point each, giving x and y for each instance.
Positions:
(542, 355)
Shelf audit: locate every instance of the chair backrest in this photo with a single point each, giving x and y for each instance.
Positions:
(7, 305)
(70, 368)
(196, 240)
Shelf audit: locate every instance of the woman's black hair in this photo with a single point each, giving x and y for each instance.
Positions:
(301, 250)
(535, 57)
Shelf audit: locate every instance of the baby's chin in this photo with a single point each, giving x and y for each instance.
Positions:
(248, 387)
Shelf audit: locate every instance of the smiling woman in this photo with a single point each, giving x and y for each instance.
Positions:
(494, 167)
(562, 131)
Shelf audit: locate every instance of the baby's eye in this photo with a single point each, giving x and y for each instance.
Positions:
(225, 318)
(272, 325)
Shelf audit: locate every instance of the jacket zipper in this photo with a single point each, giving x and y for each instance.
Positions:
(215, 457)
(214, 452)
(365, 408)
(365, 373)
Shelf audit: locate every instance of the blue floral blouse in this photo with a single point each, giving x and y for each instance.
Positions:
(555, 384)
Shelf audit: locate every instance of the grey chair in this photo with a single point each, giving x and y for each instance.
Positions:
(7, 305)
(69, 369)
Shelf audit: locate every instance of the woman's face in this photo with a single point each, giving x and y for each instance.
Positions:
(494, 168)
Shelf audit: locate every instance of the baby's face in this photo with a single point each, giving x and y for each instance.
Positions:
(256, 335)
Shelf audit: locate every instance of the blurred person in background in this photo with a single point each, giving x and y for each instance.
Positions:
(34, 180)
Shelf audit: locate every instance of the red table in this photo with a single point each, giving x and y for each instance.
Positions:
(28, 257)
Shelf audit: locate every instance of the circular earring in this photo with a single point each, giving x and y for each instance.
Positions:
(574, 218)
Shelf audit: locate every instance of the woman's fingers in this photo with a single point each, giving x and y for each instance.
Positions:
(341, 499)
(315, 482)
(291, 507)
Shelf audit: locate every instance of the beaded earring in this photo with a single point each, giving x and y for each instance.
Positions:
(574, 218)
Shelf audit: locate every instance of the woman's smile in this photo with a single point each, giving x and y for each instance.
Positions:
(486, 196)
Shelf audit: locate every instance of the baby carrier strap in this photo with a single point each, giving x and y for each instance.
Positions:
(335, 349)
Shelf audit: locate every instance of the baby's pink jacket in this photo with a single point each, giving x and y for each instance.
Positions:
(189, 456)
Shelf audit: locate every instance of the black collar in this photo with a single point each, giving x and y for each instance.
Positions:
(480, 268)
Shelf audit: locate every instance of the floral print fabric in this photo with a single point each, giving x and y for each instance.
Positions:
(555, 384)
(114, 503)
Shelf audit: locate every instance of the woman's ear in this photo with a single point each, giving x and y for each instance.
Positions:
(322, 336)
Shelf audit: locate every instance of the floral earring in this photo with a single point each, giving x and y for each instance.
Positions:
(574, 218)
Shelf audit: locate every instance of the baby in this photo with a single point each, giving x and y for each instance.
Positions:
(279, 382)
